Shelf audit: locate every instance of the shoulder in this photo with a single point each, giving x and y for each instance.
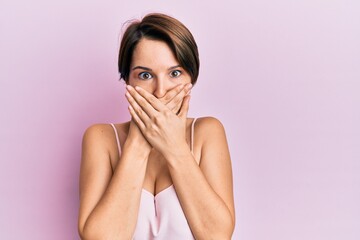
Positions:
(103, 133)
(209, 120)
(208, 125)
(103, 130)
(99, 136)
(97, 131)
(211, 133)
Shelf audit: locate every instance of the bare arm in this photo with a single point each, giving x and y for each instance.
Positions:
(205, 192)
(109, 204)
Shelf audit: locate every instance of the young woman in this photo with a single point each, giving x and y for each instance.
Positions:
(160, 175)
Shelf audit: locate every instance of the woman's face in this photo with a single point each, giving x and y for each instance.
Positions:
(155, 68)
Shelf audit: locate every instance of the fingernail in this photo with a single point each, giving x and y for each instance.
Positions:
(128, 87)
(189, 86)
(138, 88)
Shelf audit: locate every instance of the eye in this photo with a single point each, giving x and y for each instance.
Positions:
(175, 73)
(145, 75)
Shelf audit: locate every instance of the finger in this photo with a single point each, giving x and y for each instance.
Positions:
(149, 102)
(136, 108)
(136, 118)
(172, 93)
(177, 109)
(176, 102)
(184, 107)
(144, 103)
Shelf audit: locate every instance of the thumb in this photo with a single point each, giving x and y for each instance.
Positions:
(184, 107)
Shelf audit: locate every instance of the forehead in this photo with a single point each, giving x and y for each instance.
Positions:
(153, 54)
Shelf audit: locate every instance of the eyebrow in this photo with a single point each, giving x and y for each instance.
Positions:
(149, 69)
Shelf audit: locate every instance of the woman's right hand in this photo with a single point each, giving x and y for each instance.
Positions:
(173, 100)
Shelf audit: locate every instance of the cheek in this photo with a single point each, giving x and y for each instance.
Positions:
(187, 79)
(143, 84)
(134, 81)
(131, 82)
(132, 78)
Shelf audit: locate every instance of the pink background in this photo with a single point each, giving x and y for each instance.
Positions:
(282, 76)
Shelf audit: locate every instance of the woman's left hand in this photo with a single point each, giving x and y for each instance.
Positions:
(163, 129)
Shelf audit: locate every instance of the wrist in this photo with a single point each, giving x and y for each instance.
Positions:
(137, 148)
(178, 154)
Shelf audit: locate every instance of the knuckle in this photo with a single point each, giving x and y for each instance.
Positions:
(167, 97)
(167, 113)
(158, 119)
(171, 106)
(180, 87)
(155, 117)
(138, 110)
(176, 99)
(141, 101)
(152, 99)
(151, 131)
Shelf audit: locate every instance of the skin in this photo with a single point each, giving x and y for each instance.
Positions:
(111, 185)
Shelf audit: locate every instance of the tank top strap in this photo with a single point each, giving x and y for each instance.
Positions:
(192, 135)
(117, 138)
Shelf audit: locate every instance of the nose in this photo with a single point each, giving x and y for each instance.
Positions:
(162, 85)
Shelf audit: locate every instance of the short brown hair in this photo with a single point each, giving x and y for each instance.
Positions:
(161, 27)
